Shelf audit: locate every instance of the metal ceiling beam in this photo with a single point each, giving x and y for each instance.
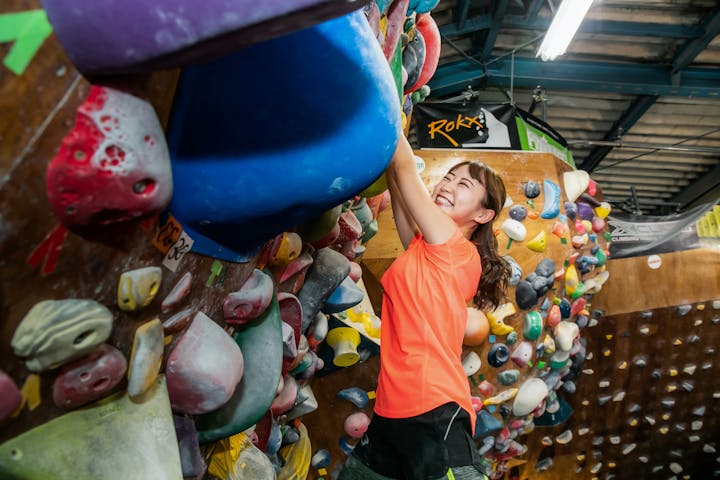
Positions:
(533, 10)
(697, 189)
(637, 109)
(629, 79)
(684, 57)
(491, 35)
(687, 53)
(607, 27)
(461, 13)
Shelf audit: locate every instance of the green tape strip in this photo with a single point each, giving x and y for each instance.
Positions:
(28, 30)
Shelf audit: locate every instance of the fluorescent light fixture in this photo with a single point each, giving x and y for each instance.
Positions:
(563, 28)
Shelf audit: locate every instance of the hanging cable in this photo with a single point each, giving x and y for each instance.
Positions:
(656, 150)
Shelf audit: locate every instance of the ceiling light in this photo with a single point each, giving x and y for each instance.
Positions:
(563, 28)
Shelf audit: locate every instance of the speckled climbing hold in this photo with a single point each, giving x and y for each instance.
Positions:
(355, 395)
(178, 322)
(531, 189)
(191, 458)
(571, 279)
(306, 403)
(88, 378)
(204, 368)
(498, 355)
(531, 393)
(575, 183)
(287, 246)
(564, 334)
(178, 293)
(327, 272)
(532, 325)
(345, 296)
(486, 424)
(471, 363)
(145, 357)
(516, 271)
(518, 212)
(508, 377)
(501, 397)
(598, 224)
(56, 331)
(486, 388)
(114, 164)
(559, 359)
(137, 288)
(356, 424)
(565, 437)
(522, 354)
(321, 459)
(514, 229)
(571, 210)
(560, 230)
(251, 300)
(554, 316)
(538, 243)
(551, 205)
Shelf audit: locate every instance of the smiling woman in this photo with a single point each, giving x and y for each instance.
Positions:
(449, 244)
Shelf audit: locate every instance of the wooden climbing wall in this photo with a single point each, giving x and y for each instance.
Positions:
(39, 108)
(516, 168)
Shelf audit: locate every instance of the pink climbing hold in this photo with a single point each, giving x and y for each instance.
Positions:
(10, 397)
(89, 378)
(356, 424)
(251, 300)
(204, 368)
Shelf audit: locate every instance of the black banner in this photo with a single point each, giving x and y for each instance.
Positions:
(465, 124)
(635, 236)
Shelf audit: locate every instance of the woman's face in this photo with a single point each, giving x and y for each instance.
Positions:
(462, 197)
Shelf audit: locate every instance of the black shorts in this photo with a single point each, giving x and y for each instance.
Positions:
(423, 447)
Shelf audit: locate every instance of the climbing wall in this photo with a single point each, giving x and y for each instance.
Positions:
(647, 402)
(154, 301)
(495, 380)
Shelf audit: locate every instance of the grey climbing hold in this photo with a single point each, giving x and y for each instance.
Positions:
(696, 425)
(525, 295)
(628, 448)
(531, 189)
(667, 402)
(518, 212)
(699, 411)
(516, 271)
(646, 314)
(597, 441)
(544, 464)
(683, 310)
(676, 468)
(634, 408)
(508, 377)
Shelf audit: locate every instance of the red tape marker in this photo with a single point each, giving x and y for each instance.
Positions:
(48, 252)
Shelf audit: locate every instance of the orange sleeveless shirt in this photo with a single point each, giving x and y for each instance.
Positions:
(426, 290)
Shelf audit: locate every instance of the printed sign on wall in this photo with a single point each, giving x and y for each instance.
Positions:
(470, 124)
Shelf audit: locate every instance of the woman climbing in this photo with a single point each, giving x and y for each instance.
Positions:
(423, 420)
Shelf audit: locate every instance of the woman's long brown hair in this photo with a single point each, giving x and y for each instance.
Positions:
(492, 289)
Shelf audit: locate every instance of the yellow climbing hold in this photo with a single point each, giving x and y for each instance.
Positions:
(571, 279)
(538, 243)
(496, 318)
(30, 393)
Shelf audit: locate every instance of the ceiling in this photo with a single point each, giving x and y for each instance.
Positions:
(636, 95)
